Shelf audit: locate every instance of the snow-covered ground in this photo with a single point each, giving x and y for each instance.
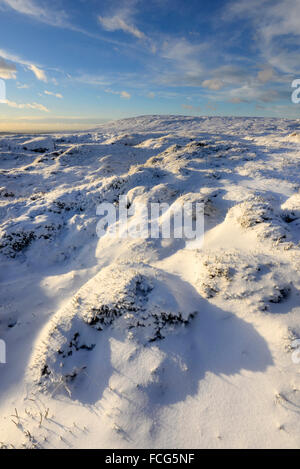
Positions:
(143, 343)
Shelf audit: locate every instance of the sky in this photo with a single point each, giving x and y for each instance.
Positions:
(73, 63)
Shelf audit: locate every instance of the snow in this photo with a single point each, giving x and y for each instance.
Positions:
(39, 144)
(151, 343)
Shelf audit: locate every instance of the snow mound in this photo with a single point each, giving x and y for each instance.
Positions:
(267, 221)
(125, 139)
(39, 144)
(140, 302)
(254, 279)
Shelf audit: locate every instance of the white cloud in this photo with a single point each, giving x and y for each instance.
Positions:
(125, 95)
(275, 27)
(265, 75)
(36, 106)
(13, 58)
(232, 74)
(183, 66)
(120, 22)
(213, 84)
(7, 71)
(247, 93)
(40, 74)
(272, 17)
(38, 11)
(179, 49)
(122, 94)
(56, 95)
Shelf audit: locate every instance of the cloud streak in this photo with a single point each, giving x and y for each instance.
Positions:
(213, 84)
(56, 95)
(38, 11)
(122, 19)
(122, 94)
(35, 106)
(122, 22)
(7, 71)
(37, 71)
(276, 29)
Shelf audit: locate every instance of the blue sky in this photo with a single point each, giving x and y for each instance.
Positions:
(75, 62)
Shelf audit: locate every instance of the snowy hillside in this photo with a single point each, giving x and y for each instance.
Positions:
(145, 343)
